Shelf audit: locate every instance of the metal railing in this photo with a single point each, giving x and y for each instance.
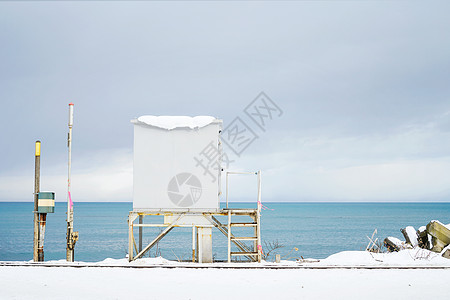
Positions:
(257, 173)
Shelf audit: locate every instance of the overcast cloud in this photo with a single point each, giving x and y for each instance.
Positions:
(363, 85)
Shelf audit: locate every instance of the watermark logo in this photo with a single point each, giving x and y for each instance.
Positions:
(262, 110)
(238, 135)
(184, 189)
(209, 160)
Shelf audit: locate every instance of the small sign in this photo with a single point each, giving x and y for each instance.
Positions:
(46, 202)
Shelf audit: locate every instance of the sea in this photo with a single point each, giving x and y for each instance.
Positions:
(293, 230)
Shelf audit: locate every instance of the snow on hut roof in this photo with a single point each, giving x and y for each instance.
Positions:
(172, 122)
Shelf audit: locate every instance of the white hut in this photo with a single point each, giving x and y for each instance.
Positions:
(176, 163)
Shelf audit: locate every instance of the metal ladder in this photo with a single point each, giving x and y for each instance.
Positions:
(251, 253)
(254, 254)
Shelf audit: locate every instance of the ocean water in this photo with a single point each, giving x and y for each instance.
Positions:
(317, 230)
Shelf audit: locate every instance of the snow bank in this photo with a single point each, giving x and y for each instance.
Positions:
(149, 261)
(172, 122)
(408, 257)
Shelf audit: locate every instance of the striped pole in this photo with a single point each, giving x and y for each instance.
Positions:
(37, 168)
(70, 240)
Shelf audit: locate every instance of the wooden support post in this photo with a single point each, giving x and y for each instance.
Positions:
(204, 244)
(193, 243)
(37, 167)
(141, 219)
(258, 226)
(131, 218)
(229, 236)
(42, 221)
(255, 232)
(258, 217)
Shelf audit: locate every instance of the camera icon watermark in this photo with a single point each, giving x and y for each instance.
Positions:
(184, 189)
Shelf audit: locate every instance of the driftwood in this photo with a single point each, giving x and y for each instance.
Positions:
(373, 246)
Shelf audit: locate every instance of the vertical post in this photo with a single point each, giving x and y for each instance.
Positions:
(131, 218)
(258, 217)
(193, 243)
(141, 219)
(229, 236)
(227, 189)
(37, 167)
(258, 174)
(204, 242)
(70, 241)
(255, 232)
(42, 221)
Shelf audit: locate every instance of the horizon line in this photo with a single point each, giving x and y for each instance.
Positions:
(434, 201)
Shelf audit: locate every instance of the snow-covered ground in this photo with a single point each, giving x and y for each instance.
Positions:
(408, 258)
(311, 281)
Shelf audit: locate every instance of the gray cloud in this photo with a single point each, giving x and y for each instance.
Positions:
(359, 82)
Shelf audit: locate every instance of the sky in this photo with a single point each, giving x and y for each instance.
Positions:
(363, 87)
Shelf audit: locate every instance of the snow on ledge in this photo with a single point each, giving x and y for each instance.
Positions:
(172, 122)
